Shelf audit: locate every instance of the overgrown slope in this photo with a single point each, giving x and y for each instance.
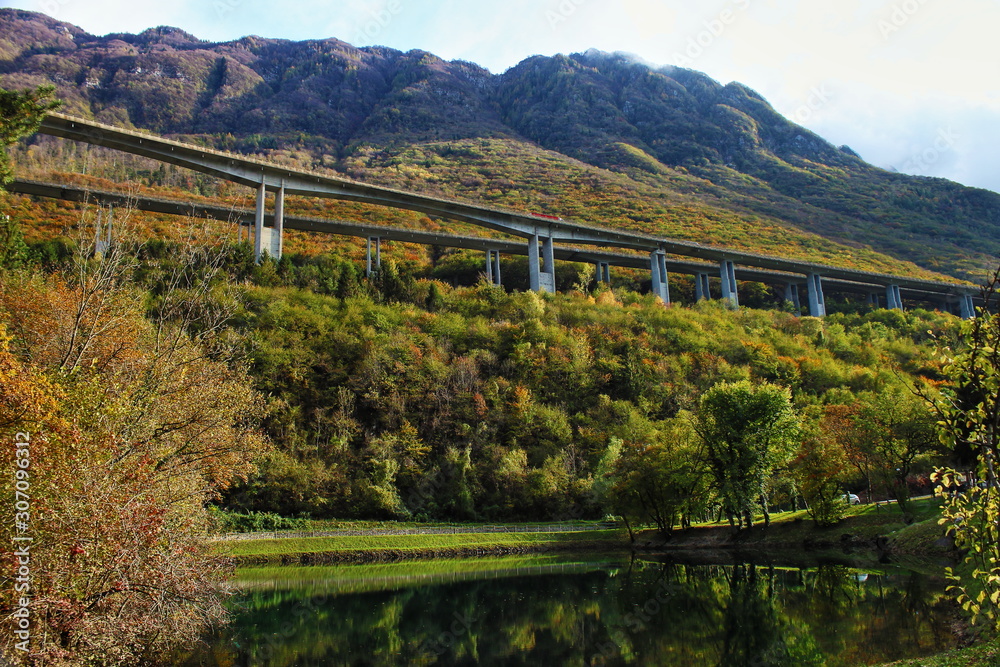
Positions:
(667, 151)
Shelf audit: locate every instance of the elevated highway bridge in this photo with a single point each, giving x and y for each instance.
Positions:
(541, 234)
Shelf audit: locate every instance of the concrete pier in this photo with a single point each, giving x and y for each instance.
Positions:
(792, 295)
(278, 231)
(103, 234)
(727, 271)
(548, 277)
(541, 274)
(603, 274)
(658, 269)
(967, 307)
(493, 267)
(817, 302)
(258, 238)
(894, 300)
(534, 270)
(372, 266)
(702, 287)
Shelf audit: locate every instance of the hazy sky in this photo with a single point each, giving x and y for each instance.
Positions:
(909, 84)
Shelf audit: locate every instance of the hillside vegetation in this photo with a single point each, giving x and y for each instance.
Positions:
(594, 137)
(405, 398)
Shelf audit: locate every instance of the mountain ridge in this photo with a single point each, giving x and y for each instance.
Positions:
(415, 118)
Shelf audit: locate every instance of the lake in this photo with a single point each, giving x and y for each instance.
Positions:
(553, 611)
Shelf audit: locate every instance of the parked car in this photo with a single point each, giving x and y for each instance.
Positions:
(851, 499)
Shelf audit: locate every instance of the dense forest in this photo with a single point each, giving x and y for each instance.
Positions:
(403, 396)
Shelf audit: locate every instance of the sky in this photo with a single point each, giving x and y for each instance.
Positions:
(911, 85)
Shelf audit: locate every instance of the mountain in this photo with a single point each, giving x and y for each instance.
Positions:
(595, 137)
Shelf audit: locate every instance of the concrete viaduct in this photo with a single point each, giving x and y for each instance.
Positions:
(541, 233)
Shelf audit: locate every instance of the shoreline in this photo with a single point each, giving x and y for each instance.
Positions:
(881, 537)
(372, 556)
(884, 534)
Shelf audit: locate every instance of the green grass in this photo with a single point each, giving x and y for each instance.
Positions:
(415, 543)
(918, 509)
(340, 524)
(918, 523)
(383, 576)
(986, 654)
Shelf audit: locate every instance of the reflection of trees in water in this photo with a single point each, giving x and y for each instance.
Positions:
(641, 613)
(756, 633)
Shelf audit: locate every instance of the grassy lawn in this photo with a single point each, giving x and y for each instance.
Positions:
(384, 576)
(981, 655)
(340, 524)
(918, 524)
(918, 509)
(301, 545)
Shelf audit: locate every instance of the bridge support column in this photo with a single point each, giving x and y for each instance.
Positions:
(603, 273)
(98, 238)
(658, 268)
(371, 267)
(110, 227)
(534, 271)
(967, 307)
(893, 297)
(548, 265)
(541, 276)
(493, 266)
(727, 271)
(104, 237)
(817, 302)
(277, 233)
(258, 238)
(702, 287)
(873, 300)
(792, 296)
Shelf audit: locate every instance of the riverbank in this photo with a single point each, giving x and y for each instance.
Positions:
(881, 530)
(986, 654)
(878, 531)
(384, 548)
(870, 533)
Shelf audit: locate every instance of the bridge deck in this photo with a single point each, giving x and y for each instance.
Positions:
(359, 230)
(257, 173)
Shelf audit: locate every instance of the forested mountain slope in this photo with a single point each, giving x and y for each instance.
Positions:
(594, 137)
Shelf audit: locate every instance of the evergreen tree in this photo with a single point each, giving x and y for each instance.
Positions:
(20, 115)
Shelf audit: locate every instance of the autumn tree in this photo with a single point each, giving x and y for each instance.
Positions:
(660, 481)
(821, 468)
(747, 431)
(885, 435)
(155, 418)
(968, 410)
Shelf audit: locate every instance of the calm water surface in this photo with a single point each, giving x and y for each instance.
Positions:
(551, 612)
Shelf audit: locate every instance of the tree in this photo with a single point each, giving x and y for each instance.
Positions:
(655, 482)
(20, 115)
(747, 430)
(969, 419)
(885, 435)
(153, 421)
(821, 469)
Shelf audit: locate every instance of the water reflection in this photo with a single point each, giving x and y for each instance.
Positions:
(629, 612)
